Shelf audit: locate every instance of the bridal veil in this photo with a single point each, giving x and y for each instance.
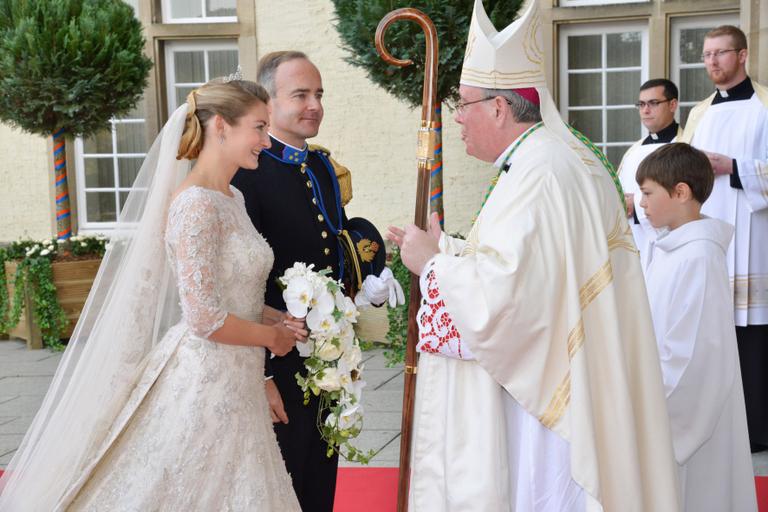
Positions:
(132, 304)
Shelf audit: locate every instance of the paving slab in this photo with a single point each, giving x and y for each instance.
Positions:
(17, 425)
(9, 442)
(25, 384)
(21, 405)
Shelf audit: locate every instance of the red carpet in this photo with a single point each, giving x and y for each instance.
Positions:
(367, 489)
(375, 490)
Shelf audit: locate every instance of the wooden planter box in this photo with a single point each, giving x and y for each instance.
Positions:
(73, 280)
(372, 324)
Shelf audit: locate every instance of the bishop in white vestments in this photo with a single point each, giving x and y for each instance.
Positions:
(539, 387)
(657, 104)
(731, 126)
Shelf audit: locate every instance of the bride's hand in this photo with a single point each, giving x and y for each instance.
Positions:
(298, 324)
(285, 339)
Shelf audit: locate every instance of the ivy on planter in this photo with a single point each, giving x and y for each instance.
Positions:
(398, 316)
(34, 276)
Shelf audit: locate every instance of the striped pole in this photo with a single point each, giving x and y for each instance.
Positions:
(63, 215)
(436, 175)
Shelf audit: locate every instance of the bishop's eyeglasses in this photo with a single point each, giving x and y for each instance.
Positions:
(461, 105)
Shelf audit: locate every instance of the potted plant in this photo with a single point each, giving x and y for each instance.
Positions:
(44, 285)
(66, 68)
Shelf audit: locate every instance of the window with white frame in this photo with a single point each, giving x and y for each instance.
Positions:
(580, 3)
(106, 165)
(601, 70)
(190, 64)
(686, 66)
(199, 11)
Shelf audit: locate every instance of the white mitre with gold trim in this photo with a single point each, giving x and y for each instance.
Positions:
(513, 59)
(510, 59)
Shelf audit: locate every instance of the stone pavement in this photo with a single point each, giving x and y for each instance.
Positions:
(25, 375)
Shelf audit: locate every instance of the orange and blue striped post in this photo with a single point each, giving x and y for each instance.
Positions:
(63, 214)
(436, 174)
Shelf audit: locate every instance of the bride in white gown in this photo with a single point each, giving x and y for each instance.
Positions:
(156, 407)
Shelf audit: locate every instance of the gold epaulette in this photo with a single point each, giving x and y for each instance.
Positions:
(342, 174)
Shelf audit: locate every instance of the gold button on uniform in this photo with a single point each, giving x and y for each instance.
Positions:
(327, 251)
(314, 200)
(303, 170)
(309, 184)
(320, 218)
(324, 234)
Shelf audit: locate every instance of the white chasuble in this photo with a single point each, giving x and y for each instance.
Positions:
(739, 130)
(563, 407)
(691, 305)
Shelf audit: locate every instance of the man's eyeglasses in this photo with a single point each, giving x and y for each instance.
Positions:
(650, 103)
(460, 106)
(718, 53)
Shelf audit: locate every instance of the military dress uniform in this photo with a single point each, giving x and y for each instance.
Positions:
(295, 201)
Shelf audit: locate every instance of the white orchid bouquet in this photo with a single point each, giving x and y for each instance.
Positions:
(334, 358)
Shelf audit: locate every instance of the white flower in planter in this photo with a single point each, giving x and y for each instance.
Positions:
(45, 252)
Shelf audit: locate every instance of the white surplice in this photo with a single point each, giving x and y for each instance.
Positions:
(739, 130)
(691, 302)
(562, 408)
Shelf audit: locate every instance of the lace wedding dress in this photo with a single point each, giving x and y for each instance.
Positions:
(196, 433)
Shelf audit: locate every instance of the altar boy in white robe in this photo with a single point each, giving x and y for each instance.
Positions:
(539, 387)
(691, 303)
(731, 126)
(656, 104)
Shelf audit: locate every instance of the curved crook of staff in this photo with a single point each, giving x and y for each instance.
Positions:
(425, 154)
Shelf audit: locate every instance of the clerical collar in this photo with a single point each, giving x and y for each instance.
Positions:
(288, 153)
(741, 91)
(662, 136)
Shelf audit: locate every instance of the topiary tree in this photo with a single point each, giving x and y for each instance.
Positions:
(66, 68)
(356, 22)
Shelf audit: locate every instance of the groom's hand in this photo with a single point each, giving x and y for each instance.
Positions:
(275, 401)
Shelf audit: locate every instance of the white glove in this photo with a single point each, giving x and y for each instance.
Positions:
(377, 290)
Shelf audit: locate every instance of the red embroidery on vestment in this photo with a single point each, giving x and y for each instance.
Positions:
(437, 332)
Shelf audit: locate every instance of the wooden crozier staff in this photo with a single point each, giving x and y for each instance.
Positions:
(425, 156)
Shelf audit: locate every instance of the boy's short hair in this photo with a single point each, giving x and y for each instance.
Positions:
(678, 163)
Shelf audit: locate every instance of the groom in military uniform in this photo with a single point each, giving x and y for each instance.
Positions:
(296, 201)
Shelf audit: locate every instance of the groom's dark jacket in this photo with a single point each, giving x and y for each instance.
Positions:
(296, 209)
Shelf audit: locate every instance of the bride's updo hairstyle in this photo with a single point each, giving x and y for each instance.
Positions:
(231, 100)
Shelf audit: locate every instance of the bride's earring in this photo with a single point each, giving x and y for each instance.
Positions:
(221, 139)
